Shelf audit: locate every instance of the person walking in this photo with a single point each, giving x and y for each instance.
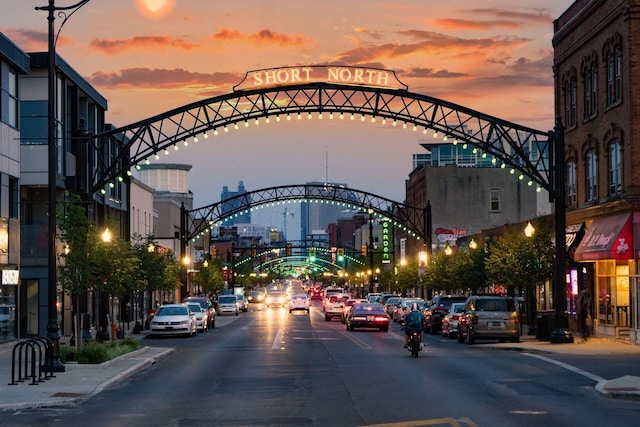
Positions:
(583, 308)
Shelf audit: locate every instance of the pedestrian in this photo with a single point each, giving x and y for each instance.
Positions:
(584, 312)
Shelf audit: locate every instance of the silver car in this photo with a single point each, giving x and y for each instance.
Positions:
(228, 304)
(489, 317)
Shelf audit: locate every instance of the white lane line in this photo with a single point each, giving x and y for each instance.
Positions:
(277, 341)
(568, 367)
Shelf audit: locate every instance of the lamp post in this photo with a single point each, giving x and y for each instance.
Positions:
(370, 251)
(52, 297)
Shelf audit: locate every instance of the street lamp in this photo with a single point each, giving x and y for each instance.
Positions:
(52, 327)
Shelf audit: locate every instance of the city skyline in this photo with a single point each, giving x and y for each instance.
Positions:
(496, 59)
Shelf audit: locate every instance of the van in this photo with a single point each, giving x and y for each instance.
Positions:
(489, 317)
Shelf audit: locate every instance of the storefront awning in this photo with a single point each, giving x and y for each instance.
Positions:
(607, 238)
(573, 236)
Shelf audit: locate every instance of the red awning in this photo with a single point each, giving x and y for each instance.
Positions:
(607, 238)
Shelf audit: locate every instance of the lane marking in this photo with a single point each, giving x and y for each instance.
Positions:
(568, 367)
(438, 421)
(277, 341)
(358, 342)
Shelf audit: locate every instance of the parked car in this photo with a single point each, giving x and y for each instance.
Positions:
(368, 315)
(299, 302)
(437, 309)
(228, 304)
(451, 319)
(208, 306)
(202, 320)
(243, 303)
(489, 317)
(173, 319)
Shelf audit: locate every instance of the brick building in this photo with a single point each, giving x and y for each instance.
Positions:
(597, 96)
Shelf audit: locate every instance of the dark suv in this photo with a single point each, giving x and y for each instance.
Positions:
(437, 309)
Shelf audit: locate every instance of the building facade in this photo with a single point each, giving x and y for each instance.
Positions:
(597, 96)
(13, 64)
(241, 218)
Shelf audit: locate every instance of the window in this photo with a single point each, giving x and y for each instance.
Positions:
(615, 168)
(570, 97)
(494, 202)
(590, 81)
(9, 97)
(572, 199)
(612, 52)
(591, 176)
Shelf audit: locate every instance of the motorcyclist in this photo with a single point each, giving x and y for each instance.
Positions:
(413, 322)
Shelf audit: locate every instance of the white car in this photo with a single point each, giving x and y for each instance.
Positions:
(202, 320)
(276, 298)
(173, 319)
(299, 302)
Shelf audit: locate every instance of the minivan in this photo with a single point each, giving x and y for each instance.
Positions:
(228, 304)
(489, 317)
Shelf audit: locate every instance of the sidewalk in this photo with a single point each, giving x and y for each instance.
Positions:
(80, 382)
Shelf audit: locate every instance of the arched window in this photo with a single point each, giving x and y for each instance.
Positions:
(615, 168)
(612, 53)
(570, 89)
(589, 70)
(572, 196)
(591, 176)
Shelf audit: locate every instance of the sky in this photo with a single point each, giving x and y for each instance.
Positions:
(149, 56)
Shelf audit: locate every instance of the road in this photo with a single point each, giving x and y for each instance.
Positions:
(268, 367)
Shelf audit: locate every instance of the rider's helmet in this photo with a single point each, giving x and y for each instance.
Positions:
(414, 306)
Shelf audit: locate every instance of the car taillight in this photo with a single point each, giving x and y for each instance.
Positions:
(380, 318)
(474, 320)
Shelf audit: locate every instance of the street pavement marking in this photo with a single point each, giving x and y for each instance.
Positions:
(568, 367)
(277, 341)
(358, 342)
(460, 422)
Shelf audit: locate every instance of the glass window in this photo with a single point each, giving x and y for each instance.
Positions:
(572, 199)
(591, 176)
(615, 168)
(614, 76)
(590, 91)
(495, 201)
(570, 99)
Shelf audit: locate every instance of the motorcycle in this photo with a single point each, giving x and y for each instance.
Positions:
(414, 343)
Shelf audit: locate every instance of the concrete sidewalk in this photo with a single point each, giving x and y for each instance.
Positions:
(80, 382)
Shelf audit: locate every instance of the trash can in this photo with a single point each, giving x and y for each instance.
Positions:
(544, 324)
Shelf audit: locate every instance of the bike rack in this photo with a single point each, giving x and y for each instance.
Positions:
(26, 354)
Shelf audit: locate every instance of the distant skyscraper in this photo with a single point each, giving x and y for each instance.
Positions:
(316, 217)
(244, 218)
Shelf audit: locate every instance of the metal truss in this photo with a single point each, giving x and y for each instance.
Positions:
(199, 221)
(518, 147)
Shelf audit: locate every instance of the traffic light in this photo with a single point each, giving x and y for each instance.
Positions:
(288, 250)
(312, 254)
(364, 250)
(340, 254)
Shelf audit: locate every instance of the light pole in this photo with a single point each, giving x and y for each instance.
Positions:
(52, 297)
(370, 251)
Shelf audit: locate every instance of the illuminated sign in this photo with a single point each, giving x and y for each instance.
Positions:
(289, 76)
(387, 242)
(10, 277)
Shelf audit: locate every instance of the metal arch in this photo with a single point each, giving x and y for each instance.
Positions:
(200, 219)
(525, 149)
(298, 261)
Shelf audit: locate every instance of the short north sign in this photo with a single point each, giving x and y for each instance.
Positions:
(288, 76)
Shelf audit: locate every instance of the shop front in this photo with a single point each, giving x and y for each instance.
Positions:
(607, 253)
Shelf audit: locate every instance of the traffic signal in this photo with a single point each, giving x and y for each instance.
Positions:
(312, 254)
(288, 250)
(340, 254)
(364, 250)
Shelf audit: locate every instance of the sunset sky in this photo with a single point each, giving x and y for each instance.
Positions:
(149, 56)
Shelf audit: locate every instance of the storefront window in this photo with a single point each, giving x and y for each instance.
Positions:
(613, 294)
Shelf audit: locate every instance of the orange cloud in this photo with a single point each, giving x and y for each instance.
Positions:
(261, 38)
(428, 72)
(162, 79)
(112, 47)
(497, 18)
(427, 43)
(464, 24)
